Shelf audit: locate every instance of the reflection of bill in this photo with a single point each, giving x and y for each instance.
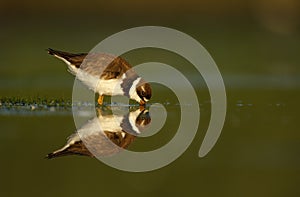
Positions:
(116, 132)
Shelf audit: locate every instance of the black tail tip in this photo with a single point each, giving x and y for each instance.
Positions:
(50, 51)
(50, 156)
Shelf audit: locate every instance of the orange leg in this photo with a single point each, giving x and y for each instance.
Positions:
(100, 99)
(142, 105)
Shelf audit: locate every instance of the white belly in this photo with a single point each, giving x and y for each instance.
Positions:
(110, 87)
(110, 123)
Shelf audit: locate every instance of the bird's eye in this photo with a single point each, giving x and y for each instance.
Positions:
(143, 93)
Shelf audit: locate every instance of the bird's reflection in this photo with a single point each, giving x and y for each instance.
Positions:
(116, 132)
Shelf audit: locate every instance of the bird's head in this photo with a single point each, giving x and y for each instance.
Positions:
(144, 92)
(141, 91)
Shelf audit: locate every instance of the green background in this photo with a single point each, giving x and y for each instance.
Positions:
(256, 46)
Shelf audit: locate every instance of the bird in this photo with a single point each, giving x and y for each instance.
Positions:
(106, 74)
(116, 133)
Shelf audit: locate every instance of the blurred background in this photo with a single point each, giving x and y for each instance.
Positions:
(256, 46)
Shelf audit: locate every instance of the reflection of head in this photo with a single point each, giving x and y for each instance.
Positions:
(112, 136)
(135, 121)
(143, 120)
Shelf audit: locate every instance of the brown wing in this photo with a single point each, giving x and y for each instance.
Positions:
(100, 144)
(77, 148)
(105, 66)
(102, 65)
(107, 143)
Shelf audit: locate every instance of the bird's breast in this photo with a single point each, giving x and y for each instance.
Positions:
(110, 87)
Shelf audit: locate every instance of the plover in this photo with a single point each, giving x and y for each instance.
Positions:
(106, 75)
(117, 133)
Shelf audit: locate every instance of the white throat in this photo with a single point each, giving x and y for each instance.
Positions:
(132, 92)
